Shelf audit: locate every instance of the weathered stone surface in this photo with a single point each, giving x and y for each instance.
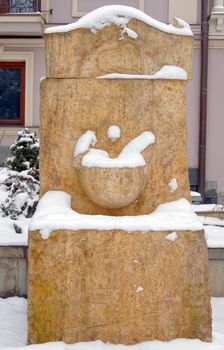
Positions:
(13, 271)
(69, 107)
(113, 285)
(115, 187)
(81, 53)
(118, 287)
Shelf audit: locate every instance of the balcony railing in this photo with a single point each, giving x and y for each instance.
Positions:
(19, 6)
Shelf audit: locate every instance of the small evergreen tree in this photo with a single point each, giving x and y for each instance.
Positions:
(24, 154)
(22, 195)
(21, 185)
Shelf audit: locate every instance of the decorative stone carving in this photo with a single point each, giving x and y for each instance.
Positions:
(112, 182)
(114, 188)
(128, 276)
(135, 105)
(104, 52)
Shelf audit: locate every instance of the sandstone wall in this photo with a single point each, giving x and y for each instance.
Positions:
(118, 287)
(69, 107)
(81, 53)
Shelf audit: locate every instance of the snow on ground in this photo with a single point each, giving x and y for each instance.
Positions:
(13, 333)
(8, 235)
(214, 237)
(13, 322)
(207, 207)
(206, 220)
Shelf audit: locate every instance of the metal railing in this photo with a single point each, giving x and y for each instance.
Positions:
(19, 6)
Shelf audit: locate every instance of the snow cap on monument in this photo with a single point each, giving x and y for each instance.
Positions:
(117, 39)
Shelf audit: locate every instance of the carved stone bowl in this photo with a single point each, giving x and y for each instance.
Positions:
(113, 187)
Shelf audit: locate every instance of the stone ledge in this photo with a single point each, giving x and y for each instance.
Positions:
(22, 24)
(13, 252)
(13, 271)
(216, 253)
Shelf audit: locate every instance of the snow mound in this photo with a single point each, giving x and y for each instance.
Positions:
(114, 132)
(54, 213)
(130, 156)
(120, 15)
(8, 234)
(85, 141)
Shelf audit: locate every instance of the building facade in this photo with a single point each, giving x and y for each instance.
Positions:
(22, 65)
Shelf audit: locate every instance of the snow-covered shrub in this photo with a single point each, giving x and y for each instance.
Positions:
(24, 154)
(19, 179)
(19, 194)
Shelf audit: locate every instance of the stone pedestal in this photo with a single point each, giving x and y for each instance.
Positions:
(118, 287)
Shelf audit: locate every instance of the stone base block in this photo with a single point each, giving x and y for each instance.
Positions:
(118, 287)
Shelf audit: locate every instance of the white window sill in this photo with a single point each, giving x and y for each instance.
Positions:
(23, 24)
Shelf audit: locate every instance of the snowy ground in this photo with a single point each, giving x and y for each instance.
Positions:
(8, 236)
(214, 236)
(13, 332)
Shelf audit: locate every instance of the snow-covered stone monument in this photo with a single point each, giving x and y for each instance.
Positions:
(115, 250)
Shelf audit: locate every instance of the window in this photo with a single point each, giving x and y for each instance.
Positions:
(19, 6)
(12, 93)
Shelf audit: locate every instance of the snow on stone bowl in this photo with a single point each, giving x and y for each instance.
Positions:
(112, 182)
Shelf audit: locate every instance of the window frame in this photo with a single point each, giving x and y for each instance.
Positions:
(36, 6)
(4, 9)
(22, 67)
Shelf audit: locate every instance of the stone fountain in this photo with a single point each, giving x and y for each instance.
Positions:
(115, 251)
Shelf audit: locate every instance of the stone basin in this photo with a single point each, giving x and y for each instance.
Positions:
(113, 187)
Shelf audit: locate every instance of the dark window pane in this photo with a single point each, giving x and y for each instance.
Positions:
(20, 6)
(10, 89)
